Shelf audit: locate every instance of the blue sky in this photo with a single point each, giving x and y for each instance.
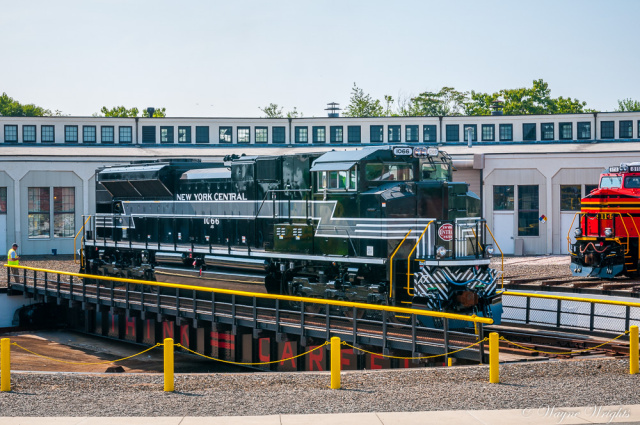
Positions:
(214, 58)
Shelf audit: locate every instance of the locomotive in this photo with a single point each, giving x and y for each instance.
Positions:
(383, 225)
(606, 237)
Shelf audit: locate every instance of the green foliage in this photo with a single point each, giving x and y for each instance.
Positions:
(157, 113)
(363, 105)
(294, 113)
(123, 112)
(447, 101)
(272, 111)
(12, 108)
(628, 105)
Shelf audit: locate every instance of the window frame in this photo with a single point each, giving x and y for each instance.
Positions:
(225, 134)
(502, 130)
(354, 134)
(44, 133)
(376, 130)
(301, 130)
(572, 198)
(336, 134)
(58, 202)
(105, 140)
(629, 125)
(258, 137)
(473, 127)
(149, 134)
(122, 134)
(38, 215)
(530, 127)
(316, 136)
(167, 135)
(610, 127)
(14, 132)
(488, 137)
(33, 130)
(429, 129)
(580, 130)
(522, 211)
(246, 134)
(505, 193)
(86, 134)
(392, 132)
(186, 129)
(275, 135)
(409, 131)
(561, 130)
(545, 127)
(452, 133)
(202, 134)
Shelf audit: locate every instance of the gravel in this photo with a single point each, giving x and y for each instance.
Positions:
(533, 385)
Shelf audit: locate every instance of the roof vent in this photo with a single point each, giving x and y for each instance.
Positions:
(497, 106)
(150, 111)
(333, 109)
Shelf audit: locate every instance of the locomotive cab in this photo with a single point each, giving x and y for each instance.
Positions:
(607, 231)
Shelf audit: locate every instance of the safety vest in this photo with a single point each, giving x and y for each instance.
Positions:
(10, 261)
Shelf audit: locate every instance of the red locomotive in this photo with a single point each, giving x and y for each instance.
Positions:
(607, 234)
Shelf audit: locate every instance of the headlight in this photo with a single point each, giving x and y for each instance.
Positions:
(441, 251)
(489, 249)
(608, 232)
(577, 233)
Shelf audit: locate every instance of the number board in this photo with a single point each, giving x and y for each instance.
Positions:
(403, 151)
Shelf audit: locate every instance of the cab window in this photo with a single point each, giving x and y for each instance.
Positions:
(436, 171)
(610, 182)
(392, 172)
(337, 180)
(632, 182)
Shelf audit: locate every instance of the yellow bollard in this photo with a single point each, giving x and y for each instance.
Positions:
(450, 362)
(336, 359)
(5, 366)
(633, 350)
(494, 371)
(168, 364)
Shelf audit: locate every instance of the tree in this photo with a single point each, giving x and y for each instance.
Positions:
(628, 105)
(447, 101)
(272, 111)
(363, 105)
(294, 113)
(12, 108)
(123, 112)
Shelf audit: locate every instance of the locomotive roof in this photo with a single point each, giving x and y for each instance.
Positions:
(206, 173)
(343, 160)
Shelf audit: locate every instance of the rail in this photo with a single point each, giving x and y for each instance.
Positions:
(576, 313)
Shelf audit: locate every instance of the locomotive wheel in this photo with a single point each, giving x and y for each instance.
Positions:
(348, 312)
(314, 308)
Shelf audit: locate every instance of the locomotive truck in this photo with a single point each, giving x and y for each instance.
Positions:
(383, 225)
(606, 237)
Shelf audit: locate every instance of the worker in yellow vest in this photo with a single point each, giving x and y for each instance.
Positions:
(13, 259)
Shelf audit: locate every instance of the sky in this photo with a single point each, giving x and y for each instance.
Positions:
(228, 59)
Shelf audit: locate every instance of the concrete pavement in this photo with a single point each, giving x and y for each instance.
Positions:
(539, 416)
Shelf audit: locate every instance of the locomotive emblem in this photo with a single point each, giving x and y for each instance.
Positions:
(446, 232)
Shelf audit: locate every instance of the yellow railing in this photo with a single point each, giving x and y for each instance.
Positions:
(409, 258)
(501, 253)
(391, 263)
(74, 241)
(402, 310)
(578, 299)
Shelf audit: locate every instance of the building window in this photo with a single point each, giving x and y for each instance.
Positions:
(429, 133)
(488, 132)
(3, 200)
(226, 134)
(39, 214)
(278, 134)
(88, 134)
(584, 130)
(64, 212)
(353, 134)
(411, 133)
(570, 196)
(319, 135)
(566, 130)
(148, 134)
(394, 135)
(10, 133)
(262, 135)
(166, 134)
(452, 133)
(244, 134)
(202, 134)
(184, 134)
(529, 132)
(376, 133)
(47, 134)
(71, 134)
(335, 134)
(29, 133)
(126, 135)
(625, 130)
(473, 129)
(506, 132)
(607, 130)
(107, 134)
(302, 135)
(546, 131)
(503, 198)
(528, 210)
(588, 188)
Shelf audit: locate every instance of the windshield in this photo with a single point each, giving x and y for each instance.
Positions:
(632, 182)
(436, 171)
(379, 172)
(610, 181)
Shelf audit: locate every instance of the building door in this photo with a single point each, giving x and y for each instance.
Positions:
(503, 218)
(570, 196)
(503, 224)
